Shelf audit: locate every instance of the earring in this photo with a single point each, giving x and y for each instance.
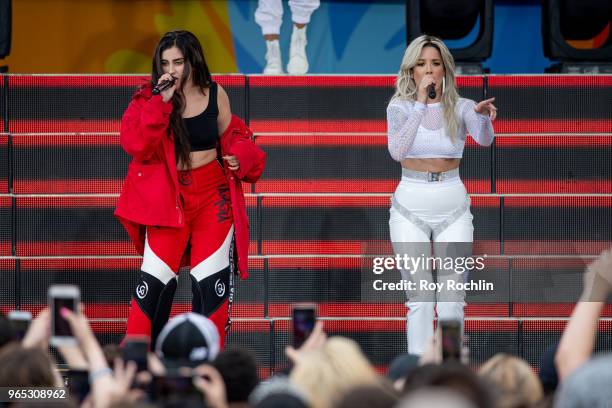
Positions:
(443, 83)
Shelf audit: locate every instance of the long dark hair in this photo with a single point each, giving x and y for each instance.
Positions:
(195, 64)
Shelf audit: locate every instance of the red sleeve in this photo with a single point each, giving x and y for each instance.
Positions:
(252, 160)
(237, 141)
(144, 124)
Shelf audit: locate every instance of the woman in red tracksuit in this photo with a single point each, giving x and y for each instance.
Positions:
(182, 198)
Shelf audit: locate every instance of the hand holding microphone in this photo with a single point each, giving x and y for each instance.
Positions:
(165, 87)
(431, 91)
(426, 89)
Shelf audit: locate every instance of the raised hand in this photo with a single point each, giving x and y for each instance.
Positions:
(39, 331)
(209, 381)
(486, 107)
(597, 278)
(315, 341)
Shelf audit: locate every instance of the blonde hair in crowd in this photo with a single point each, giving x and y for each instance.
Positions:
(406, 87)
(325, 375)
(516, 383)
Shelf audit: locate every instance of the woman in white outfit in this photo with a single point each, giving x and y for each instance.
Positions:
(427, 134)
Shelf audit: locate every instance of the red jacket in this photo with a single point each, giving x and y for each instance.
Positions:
(150, 193)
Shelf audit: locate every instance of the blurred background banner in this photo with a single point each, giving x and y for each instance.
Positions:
(361, 36)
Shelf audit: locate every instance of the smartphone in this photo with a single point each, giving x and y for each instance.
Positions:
(20, 322)
(135, 349)
(303, 317)
(452, 343)
(78, 383)
(67, 296)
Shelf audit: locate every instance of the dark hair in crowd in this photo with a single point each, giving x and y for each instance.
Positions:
(195, 65)
(239, 371)
(25, 367)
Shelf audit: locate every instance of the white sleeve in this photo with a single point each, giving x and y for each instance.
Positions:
(477, 125)
(402, 124)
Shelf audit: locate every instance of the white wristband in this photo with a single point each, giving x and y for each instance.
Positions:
(93, 376)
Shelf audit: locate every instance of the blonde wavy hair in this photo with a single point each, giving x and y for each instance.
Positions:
(406, 87)
(326, 375)
(516, 383)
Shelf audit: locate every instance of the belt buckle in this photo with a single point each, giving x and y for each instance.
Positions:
(435, 176)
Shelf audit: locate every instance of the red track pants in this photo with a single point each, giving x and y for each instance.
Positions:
(209, 231)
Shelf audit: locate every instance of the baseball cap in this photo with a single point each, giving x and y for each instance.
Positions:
(187, 340)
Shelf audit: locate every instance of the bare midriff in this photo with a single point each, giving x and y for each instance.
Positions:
(199, 159)
(432, 165)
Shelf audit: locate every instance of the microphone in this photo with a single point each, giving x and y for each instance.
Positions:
(163, 85)
(431, 91)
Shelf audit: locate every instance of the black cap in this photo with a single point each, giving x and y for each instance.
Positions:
(188, 340)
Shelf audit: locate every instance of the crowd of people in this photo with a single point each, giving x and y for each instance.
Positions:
(187, 367)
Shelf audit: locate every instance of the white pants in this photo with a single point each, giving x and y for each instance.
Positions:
(426, 212)
(269, 13)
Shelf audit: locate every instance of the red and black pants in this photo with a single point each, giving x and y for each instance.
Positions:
(209, 232)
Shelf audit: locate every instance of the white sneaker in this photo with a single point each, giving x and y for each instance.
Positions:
(274, 65)
(298, 62)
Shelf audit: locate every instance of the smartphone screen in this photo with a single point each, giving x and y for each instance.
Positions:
(303, 317)
(451, 340)
(78, 383)
(136, 349)
(61, 328)
(62, 296)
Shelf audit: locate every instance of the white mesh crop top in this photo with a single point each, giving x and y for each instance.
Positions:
(417, 131)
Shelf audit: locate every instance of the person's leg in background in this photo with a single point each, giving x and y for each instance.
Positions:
(301, 10)
(212, 240)
(211, 279)
(453, 242)
(410, 239)
(152, 300)
(269, 16)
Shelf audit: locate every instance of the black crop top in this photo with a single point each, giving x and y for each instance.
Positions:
(203, 129)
